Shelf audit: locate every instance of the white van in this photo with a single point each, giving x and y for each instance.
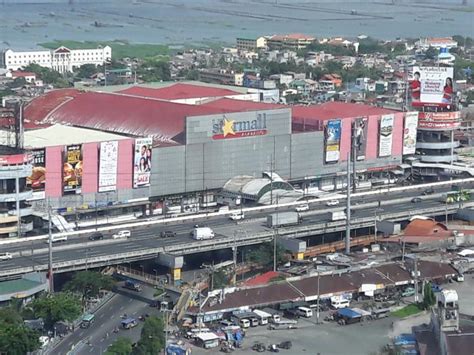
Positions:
(338, 303)
(302, 208)
(5, 256)
(305, 312)
(244, 323)
(57, 238)
(237, 216)
(122, 234)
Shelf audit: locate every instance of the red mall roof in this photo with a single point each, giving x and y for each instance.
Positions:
(233, 105)
(262, 279)
(179, 91)
(116, 113)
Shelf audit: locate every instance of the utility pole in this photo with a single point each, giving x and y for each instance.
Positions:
(274, 250)
(353, 153)
(348, 208)
(317, 303)
(50, 249)
(416, 279)
(234, 259)
(17, 204)
(271, 179)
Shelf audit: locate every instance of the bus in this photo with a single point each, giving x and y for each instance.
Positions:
(87, 320)
(129, 323)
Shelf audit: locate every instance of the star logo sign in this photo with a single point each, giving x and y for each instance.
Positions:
(228, 127)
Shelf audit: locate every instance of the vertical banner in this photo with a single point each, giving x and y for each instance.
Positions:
(359, 131)
(142, 162)
(432, 85)
(108, 156)
(36, 181)
(72, 169)
(385, 133)
(409, 133)
(332, 134)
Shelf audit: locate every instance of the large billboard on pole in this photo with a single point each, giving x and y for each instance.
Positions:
(332, 134)
(386, 133)
(108, 156)
(432, 85)
(72, 169)
(37, 180)
(142, 162)
(359, 131)
(409, 133)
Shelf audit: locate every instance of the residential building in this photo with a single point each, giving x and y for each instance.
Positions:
(292, 41)
(335, 79)
(436, 42)
(61, 59)
(251, 44)
(30, 77)
(304, 87)
(220, 76)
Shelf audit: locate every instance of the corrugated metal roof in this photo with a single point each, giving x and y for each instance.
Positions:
(179, 91)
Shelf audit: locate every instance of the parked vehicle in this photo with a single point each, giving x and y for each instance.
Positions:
(285, 345)
(129, 323)
(338, 216)
(96, 236)
(283, 219)
(409, 291)
(201, 233)
(132, 285)
(459, 278)
(168, 234)
(275, 315)
(237, 216)
(339, 302)
(436, 288)
(259, 347)
(5, 256)
(302, 208)
(305, 312)
(332, 203)
(122, 234)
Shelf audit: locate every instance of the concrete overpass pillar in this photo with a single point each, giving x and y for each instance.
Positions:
(175, 263)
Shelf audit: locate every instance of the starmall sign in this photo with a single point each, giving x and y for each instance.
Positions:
(227, 128)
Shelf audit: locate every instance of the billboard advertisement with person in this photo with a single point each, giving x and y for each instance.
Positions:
(72, 169)
(432, 85)
(142, 162)
(359, 131)
(386, 132)
(108, 157)
(409, 133)
(332, 135)
(37, 180)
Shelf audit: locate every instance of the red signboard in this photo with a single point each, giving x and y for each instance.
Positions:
(438, 124)
(440, 116)
(14, 159)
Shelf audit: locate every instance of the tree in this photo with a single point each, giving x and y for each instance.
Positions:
(152, 339)
(429, 298)
(154, 70)
(263, 255)
(121, 346)
(89, 283)
(220, 279)
(56, 307)
(17, 339)
(86, 71)
(48, 76)
(10, 315)
(431, 53)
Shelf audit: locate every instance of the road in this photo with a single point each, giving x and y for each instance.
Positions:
(106, 319)
(144, 238)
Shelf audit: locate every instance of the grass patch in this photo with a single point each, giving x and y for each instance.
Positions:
(407, 311)
(158, 292)
(120, 48)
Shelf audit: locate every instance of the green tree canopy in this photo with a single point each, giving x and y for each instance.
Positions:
(10, 315)
(152, 339)
(429, 299)
(154, 70)
(263, 255)
(48, 76)
(89, 283)
(17, 339)
(121, 346)
(86, 71)
(56, 307)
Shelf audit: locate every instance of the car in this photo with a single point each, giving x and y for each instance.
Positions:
(237, 216)
(122, 234)
(168, 234)
(416, 200)
(332, 203)
(436, 288)
(459, 278)
(428, 192)
(302, 208)
(285, 345)
(96, 236)
(5, 256)
(409, 291)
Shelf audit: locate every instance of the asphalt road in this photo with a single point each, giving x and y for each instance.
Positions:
(145, 237)
(106, 319)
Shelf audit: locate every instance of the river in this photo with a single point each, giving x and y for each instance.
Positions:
(176, 22)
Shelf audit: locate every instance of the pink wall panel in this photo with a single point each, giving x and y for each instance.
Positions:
(90, 178)
(397, 143)
(125, 164)
(345, 138)
(54, 164)
(371, 150)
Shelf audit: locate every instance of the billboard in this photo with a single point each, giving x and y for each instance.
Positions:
(108, 157)
(409, 133)
(332, 135)
(36, 181)
(385, 133)
(359, 131)
(432, 85)
(72, 169)
(142, 162)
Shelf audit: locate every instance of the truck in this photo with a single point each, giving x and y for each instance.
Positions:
(132, 285)
(338, 216)
(282, 219)
(201, 233)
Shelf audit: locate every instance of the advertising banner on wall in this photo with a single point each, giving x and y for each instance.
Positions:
(432, 85)
(72, 169)
(108, 156)
(332, 134)
(409, 133)
(36, 181)
(142, 162)
(359, 131)
(385, 133)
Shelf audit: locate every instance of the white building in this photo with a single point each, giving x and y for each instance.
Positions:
(436, 42)
(61, 59)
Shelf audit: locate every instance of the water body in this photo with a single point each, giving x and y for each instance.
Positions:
(23, 25)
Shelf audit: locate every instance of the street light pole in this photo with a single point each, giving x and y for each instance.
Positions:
(50, 250)
(317, 303)
(348, 207)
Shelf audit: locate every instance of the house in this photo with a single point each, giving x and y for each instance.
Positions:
(292, 41)
(335, 79)
(304, 87)
(28, 76)
(251, 44)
